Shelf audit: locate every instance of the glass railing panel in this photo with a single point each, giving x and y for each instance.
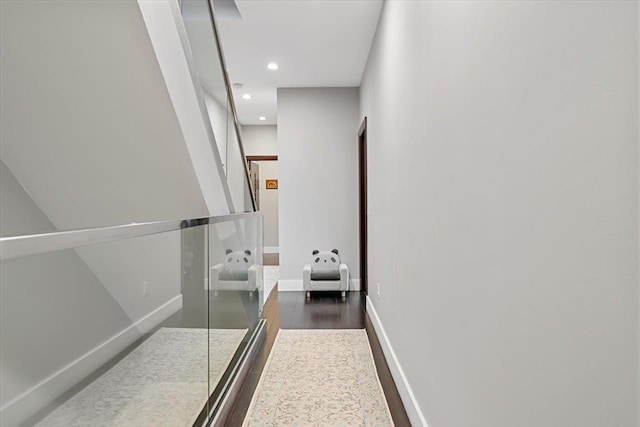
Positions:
(121, 333)
(206, 60)
(235, 287)
(239, 185)
(236, 273)
(209, 65)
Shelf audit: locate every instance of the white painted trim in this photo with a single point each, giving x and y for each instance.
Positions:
(402, 383)
(45, 392)
(298, 286)
(290, 285)
(274, 289)
(271, 250)
(159, 315)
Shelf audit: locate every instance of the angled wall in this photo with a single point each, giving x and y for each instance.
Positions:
(88, 126)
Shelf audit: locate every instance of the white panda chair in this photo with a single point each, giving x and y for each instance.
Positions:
(238, 272)
(325, 273)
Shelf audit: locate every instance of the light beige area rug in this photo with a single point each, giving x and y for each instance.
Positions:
(163, 382)
(319, 378)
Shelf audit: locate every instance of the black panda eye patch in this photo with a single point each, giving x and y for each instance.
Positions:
(333, 259)
(246, 260)
(317, 260)
(229, 259)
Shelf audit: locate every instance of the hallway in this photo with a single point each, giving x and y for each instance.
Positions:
(175, 174)
(289, 310)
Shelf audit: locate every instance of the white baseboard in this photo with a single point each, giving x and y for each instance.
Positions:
(290, 285)
(297, 286)
(404, 389)
(159, 315)
(271, 250)
(45, 392)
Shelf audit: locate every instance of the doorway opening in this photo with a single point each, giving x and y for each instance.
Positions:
(362, 173)
(263, 171)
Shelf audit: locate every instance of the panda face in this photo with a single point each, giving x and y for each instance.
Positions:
(238, 260)
(325, 260)
(231, 259)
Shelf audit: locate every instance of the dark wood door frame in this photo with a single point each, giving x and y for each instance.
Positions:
(362, 172)
(260, 158)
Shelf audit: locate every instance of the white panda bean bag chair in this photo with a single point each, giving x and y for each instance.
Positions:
(325, 273)
(238, 272)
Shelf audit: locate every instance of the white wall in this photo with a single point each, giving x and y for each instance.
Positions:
(260, 140)
(503, 191)
(318, 185)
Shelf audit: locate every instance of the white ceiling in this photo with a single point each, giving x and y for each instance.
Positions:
(317, 43)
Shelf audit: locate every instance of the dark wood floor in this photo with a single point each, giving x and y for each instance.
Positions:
(290, 310)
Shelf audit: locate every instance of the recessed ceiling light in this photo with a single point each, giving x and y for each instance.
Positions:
(246, 96)
(273, 66)
(262, 118)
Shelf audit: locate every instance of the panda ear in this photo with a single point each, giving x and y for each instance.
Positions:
(248, 252)
(335, 251)
(228, 251)
(315, 252)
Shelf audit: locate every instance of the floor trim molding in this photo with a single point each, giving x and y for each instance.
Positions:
(43, 394)
(404, 389)
(290, 285)
(297, 286)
